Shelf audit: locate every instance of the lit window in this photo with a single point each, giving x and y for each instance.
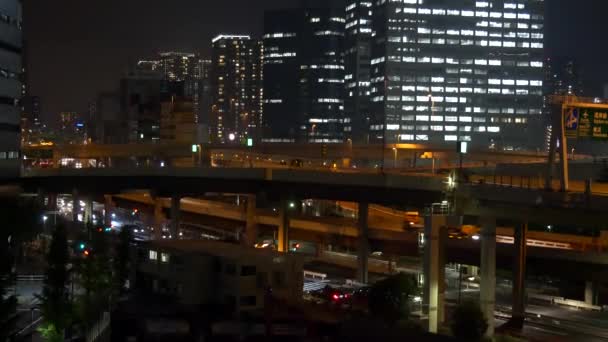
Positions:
(492, 129)
(164, 258)
(153, 255)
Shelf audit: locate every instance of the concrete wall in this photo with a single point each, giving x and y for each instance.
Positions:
(205, 279)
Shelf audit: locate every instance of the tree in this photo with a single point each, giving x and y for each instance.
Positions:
(468, 323)
(55, 304)
(95, 275)
(121, 262)
(21, 221)
(388, 298)
(8, 303)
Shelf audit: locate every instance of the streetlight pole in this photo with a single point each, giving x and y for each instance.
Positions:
(459, 282)
(32, 323)
(395, 157)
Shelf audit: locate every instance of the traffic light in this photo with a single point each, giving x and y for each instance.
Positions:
(82, 246)
(86, 253)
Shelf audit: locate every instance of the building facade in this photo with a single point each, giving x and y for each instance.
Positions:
(11, 49)
(205, 97)
(178, 121)
(236, 83)
(73, 129)
(563, 77)
(357, 58)
(461, 70)
(282, 45)
(140, 94)
(198, 273)
(178, 66)
(304, 74)
(30, 119)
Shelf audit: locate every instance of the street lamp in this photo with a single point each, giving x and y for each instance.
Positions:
(44, 219)
(395, 157)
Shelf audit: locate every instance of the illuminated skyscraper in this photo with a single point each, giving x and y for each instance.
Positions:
(304, 74)
(11, 87)
(236, 83)
(562, 77)
(458, 70)
(357, 56)
(282, 41)
(178, 66)
(205, 99)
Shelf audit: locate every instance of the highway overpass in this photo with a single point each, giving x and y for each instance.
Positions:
(567, 256)
(488, 201)
(472, 198)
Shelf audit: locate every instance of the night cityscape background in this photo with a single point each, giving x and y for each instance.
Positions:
(303, 170)
(66, 44)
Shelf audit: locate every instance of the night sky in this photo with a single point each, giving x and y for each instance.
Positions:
(79, 48)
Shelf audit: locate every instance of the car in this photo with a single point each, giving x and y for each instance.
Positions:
(332, 296)
(455, 233)
(265, 244)
(297, 163)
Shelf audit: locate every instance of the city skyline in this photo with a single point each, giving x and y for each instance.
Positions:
(303, 170)
(62, 58)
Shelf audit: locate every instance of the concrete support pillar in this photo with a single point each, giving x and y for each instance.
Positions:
(75, 206)
(488, 271)
(108, 207)
(591, 293)
(363, 243)
(433, 268)
(159, 218)
(251, 228)
(52, 202)
(283, 232)
(175, 216)
(88, 213)
(519, 276)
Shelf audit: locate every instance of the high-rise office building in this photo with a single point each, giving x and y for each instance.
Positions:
(304, 74)
(11, 90)
(73, 128)
(357, 58)
(110, 124)
(236, 82)
(282, 46)
(178, 124)
(178, 66)
(459, 70)
(205, 94)
(322, 73)
(30, 119)
(140, 93)
(32, 110)
(562, 77)
(149, 65)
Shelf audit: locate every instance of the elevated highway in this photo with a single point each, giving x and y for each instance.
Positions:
(473, 198)
(567, 256)
(488, 201)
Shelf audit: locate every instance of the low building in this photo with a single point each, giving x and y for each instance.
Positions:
(178, 122)
(198, 273)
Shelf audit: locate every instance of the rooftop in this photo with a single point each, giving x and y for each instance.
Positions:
(215, 248)
(230, 36)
